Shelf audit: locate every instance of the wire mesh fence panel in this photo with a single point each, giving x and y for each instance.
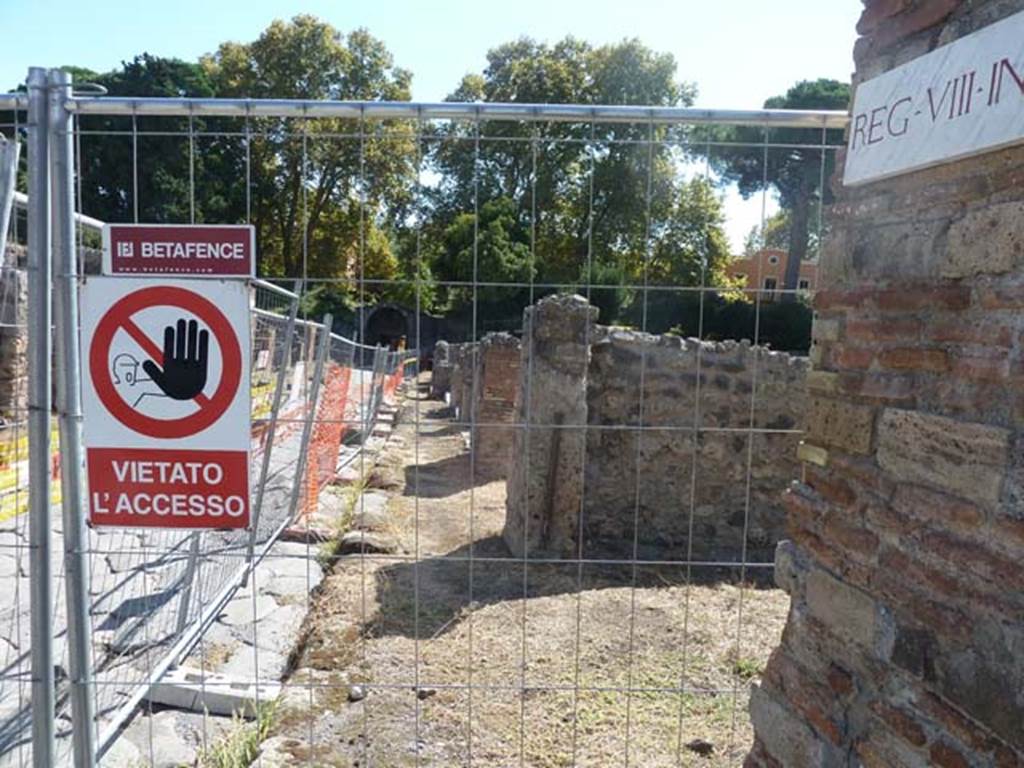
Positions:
(560, 556)
(15, 667)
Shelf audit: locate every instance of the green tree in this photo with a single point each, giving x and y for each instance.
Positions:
(143, 165)
(317, 185)
(795, 172)
(776, 230)
(691, 247)
(493, 250)
(580, 192)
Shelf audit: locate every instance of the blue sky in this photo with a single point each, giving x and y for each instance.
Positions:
(739, 52)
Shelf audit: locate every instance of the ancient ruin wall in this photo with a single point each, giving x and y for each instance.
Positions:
(462, 358)
(545, 482)
(481, 380)
(668, 480)
(667, 445)
(441, 370)
(904, 644)
(495, 397)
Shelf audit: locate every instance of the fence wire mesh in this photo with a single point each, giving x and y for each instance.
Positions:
(448, 646)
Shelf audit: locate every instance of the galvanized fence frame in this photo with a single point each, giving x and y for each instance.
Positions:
(50, 110)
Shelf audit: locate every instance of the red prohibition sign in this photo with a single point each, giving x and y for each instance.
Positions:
(119, 317)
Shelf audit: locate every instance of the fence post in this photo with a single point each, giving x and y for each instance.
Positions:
(307, 428)
(9, 151)
(39, 405)
(187, 580)
(289, 335)
(69, 410)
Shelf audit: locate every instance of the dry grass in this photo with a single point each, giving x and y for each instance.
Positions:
(240, 746)
(566, 666)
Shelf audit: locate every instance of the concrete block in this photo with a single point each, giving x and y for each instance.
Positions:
(825, 382)
(189, 689)
(812, 454)
(825, 329)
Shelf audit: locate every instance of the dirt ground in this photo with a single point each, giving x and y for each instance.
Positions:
(463, 656)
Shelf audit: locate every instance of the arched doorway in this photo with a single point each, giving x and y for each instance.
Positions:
(385, 326)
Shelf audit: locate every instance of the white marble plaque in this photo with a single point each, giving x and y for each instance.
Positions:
(962, 99)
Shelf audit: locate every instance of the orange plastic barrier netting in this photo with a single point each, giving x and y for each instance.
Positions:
(391, 385)
(328, 430)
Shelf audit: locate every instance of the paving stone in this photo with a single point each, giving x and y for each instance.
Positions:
(161, 739)
(370, 512)
(240, 612)
(123, 754)
(246, 664)
(9, 567)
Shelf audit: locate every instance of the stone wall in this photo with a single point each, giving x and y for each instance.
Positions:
(545, 482)
(640, 468)
(14, 330)
(440, 370)
(463, 360)
(680, 473)
(494, 406)
(904, 644)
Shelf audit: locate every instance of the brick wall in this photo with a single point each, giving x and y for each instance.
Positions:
(495, 402)
(482, 381)
(905, 639)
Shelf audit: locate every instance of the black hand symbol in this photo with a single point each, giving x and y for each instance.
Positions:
(184, 373)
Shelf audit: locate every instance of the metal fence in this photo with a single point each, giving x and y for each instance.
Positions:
(144, 601)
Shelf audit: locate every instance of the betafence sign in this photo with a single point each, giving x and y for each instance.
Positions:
(166, 402)
(185, 250)
(959, 100)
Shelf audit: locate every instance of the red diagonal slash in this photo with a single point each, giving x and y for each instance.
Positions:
(155, 353)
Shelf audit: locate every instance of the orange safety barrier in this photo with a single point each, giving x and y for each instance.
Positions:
(391, 384)
(328, 431)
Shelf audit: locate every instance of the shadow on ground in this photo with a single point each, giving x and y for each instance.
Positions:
(445, 477)
(429, 597)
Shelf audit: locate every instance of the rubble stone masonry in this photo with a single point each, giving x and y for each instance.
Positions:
(685, 491)
(642, 443)
(904, 644)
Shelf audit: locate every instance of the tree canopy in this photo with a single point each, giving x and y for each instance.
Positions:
(313, 191)
(785, 160)
(461, 217)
